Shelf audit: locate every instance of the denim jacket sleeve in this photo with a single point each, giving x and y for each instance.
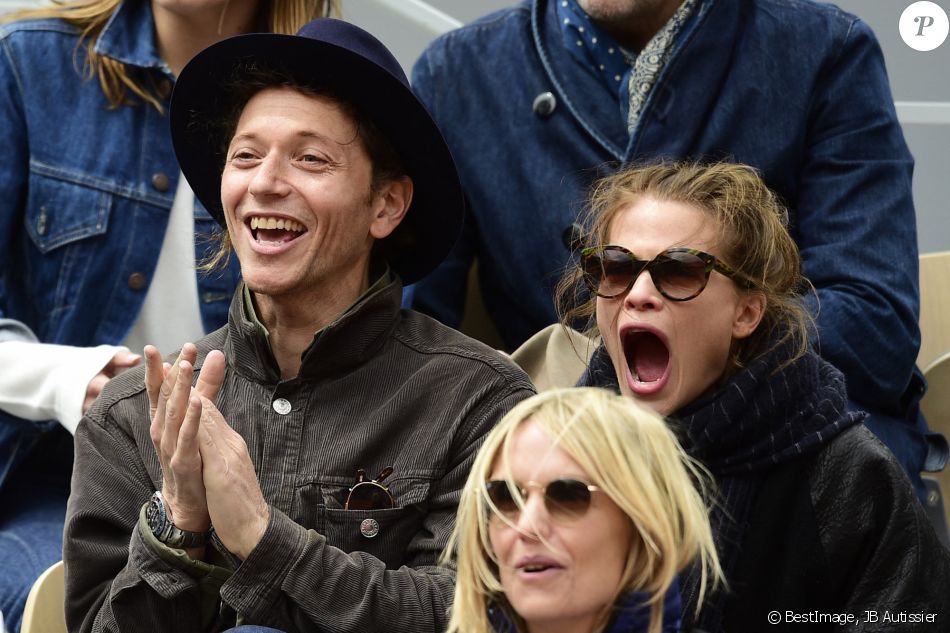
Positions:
(441, 294)
(855, 224)
(13, 182)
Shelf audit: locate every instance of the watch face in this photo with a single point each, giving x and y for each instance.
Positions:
(165, 531)
(156, 515)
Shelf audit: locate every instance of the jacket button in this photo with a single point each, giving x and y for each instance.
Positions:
(160, 181)
(544, 104)
(369, 528)
(573, 237)
(42, 221)
(164, 89)
(933, 498)
(136, 281)
(282, 406)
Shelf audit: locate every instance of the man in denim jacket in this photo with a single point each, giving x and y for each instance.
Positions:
(538, 100)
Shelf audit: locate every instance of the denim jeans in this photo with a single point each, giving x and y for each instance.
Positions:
(32, 511)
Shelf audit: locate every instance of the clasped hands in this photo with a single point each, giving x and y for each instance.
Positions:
(208, 476)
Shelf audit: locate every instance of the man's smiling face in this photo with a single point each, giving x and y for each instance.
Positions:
(297, 194)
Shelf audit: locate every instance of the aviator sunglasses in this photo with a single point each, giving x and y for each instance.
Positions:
(563, 498)
(369, 494)
(679, 274)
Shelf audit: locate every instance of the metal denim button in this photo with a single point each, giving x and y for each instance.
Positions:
(160, 181)
(41, 221)
(282, 406)
(136, 281)
(369, 527)
(544, 104)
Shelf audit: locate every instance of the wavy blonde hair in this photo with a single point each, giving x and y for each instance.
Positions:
(631, 455)
(753, 236)
(119, 83)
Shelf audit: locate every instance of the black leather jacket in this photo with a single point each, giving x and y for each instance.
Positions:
(854, 547)
(816, 524)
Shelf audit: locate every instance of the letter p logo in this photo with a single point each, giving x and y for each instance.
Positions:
(924, 21)
(924, 26)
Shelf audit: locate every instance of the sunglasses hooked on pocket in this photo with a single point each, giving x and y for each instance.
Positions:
(370, 494)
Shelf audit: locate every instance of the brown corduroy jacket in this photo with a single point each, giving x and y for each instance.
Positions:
(379, 387)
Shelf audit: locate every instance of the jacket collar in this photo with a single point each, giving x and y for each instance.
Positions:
(129, 36)
(354, 338)
(672, 117)
(577, 87)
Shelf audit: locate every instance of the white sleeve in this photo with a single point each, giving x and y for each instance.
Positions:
(13, 330)
(48, 382)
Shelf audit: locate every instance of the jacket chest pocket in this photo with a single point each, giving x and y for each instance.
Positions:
(65, 222)
(60, 213)
(385, 534)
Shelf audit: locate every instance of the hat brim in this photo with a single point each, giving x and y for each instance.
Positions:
(434, 219)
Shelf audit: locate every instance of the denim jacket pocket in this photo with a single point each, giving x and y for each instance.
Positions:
(66, 223)
(60, 212)
(385, 534)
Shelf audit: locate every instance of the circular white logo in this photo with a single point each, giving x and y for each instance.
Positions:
(924, 26)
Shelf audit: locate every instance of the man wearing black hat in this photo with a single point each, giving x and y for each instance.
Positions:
(309, 479)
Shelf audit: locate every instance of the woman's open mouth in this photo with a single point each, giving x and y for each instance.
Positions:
(648, 361)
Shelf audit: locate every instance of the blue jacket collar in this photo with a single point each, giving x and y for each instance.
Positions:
(129, 36)
(581, 91)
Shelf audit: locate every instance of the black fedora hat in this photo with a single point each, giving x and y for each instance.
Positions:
(346, 59)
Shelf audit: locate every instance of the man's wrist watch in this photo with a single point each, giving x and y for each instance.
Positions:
(166, 532)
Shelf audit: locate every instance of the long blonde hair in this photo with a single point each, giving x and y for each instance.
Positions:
(119, 84)
(631, 455)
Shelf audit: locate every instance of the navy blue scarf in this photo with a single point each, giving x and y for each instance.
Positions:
(760, 419)
(632, 615)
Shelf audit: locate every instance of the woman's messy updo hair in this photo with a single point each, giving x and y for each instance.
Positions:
(753, 237)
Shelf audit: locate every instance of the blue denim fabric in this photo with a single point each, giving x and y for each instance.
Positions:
(87, 190)
(86, 194)
(796, 89)
(31, 534)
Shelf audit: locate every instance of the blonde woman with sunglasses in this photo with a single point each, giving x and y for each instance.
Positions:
(694, 283)
(580, 511)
